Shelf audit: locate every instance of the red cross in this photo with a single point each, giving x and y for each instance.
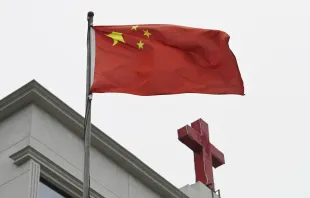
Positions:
(206, 155)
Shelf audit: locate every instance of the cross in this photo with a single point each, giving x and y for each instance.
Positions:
(206, 155)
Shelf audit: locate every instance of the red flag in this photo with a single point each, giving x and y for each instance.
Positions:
(164, 59)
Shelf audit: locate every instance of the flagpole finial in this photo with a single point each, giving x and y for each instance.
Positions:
(90, 14)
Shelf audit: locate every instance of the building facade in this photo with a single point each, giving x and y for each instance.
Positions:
(41, 155)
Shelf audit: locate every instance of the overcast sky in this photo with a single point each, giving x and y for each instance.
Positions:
(264, 135)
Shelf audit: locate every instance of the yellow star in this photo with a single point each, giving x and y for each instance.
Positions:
(146, 33)
(116, 36)
(134, 27)
(140, 44)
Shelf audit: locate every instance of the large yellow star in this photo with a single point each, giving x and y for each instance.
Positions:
(134, 27)
(117, 37)
(147, 33)
(140, 45)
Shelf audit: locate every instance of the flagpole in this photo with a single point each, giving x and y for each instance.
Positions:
(87, 122)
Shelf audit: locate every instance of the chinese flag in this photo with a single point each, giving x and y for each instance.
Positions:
(163, 59)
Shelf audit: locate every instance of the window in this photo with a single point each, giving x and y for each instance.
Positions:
(46, 190)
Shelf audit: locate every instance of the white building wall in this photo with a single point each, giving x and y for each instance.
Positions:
(198, 190)
(138, 190)
(32, 126)
(14, 135)
(66, 149)
(9, 189)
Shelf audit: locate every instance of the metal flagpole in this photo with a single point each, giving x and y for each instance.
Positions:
(87, 122)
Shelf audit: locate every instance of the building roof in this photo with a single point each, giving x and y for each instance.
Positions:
(34, 93)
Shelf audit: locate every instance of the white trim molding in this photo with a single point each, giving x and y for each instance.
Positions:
(41, 166)
(34, 178)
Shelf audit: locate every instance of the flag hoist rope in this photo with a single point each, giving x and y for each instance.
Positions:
(87, 121)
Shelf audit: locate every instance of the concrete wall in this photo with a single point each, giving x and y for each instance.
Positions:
(198, 190)
(32, 126)
(14, 135)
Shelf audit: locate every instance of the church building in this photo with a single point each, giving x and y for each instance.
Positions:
(42, 149)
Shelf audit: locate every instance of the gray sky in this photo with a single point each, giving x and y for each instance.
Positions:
(264, 135)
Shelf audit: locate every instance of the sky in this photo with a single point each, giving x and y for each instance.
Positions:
(264, 134)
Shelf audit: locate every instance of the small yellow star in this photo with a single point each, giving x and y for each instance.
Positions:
(134, 27)
(146, 33)
(140, 44)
